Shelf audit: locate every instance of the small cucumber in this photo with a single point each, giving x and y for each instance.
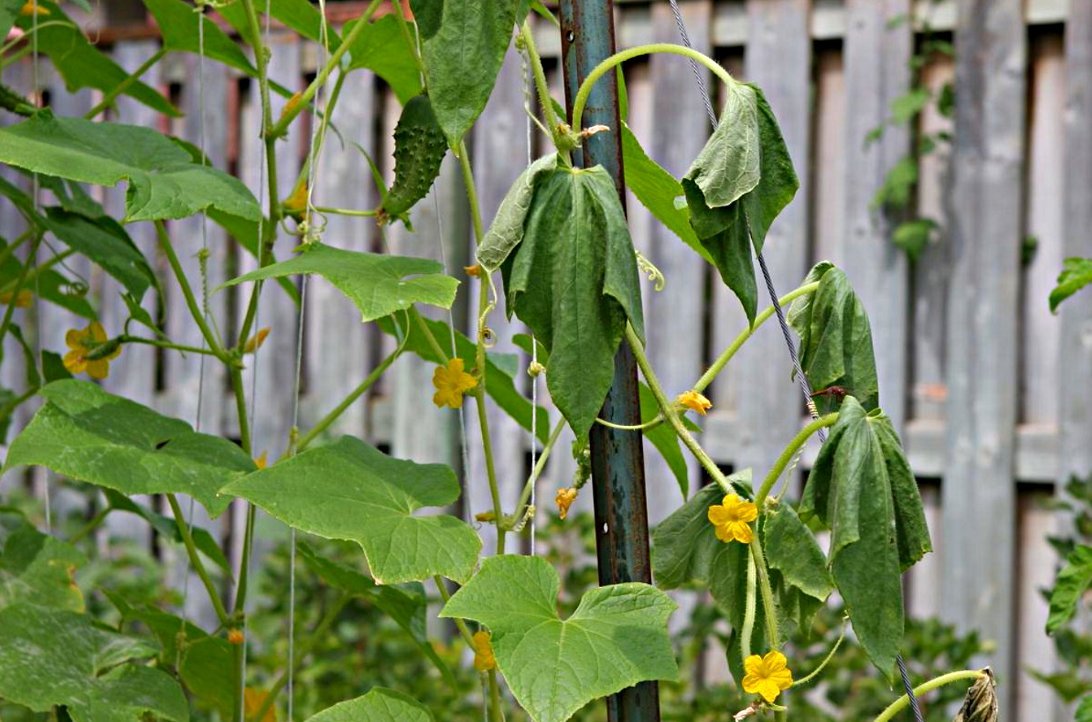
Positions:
(419, 148)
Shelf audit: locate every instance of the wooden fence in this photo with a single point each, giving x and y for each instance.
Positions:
(992, 393)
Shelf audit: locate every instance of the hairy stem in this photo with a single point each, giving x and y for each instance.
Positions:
(541, 86)
(789, 452)
(540, 466)
(902, 702)
(195, 560)
(187, 291)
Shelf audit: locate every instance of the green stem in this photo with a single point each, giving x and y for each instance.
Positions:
(764, 588)
(94, 523)
(902, 702)
(239, 392)
(460, 624)
(830, 655)
(650, 424)
(789, 452)
(195, 560)
(121, 87)
(540, 466)
(278, 128)
(355, 394)
(125, 338)
(749, 605)
(430, 337)
(8, 250)
(23, 275)
(304, 649)
(187, 291)
(541, 85)
(726, 356)
(408, 37)
(496, 711)
(345, 212)
(605, 67)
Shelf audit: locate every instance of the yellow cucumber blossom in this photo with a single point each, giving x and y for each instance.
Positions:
(296, 203)
(32, 8)
(451, 382)
(90, 351)
(731, 519)
(565, 499)
(255, 342)
(484, 660)
(235, 636)
(474, 271)
(23, 299)
(767, 676)
(694, 401)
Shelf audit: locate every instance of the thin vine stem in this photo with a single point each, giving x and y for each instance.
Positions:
(581, 99)
(541, 86)
(650, 424)
(826, 660)
(23, 275)
(726, 355)
(195, 560)
(789, 452)
(903, 702)
(126, 338)
(187, 290)
(117, 90)
(540, 466)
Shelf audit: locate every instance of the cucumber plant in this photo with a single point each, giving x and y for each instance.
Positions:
(561, 247)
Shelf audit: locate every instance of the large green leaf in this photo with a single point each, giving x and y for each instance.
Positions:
(164, 181)
(739, 183)
(657, 190)
(862, 489)
(798, 567)
(573, 280)
(81, 65)
(38, 568)
(178, 24)
(377, 283)
(1073, 581)
(349, 490)
(506, 231)
(835, 340)
(382, 48)
(463, 42)
(500, 370)
(207, 669)
(1076, 274)
(90, 435)
(406, 604)
(9, 11)
(616, 638)
(53, 657)
(379, 705)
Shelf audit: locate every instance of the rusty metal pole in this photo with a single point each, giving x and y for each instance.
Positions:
(617, 457)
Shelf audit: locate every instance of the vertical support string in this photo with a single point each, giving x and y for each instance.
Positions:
(528, 107)
(772, 291)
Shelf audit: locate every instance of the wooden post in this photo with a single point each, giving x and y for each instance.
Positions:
(618, 471)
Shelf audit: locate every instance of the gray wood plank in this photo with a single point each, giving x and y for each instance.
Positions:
(778, 60)
(1036, 566)
(876, 73)
(985, 223)
(829, 169)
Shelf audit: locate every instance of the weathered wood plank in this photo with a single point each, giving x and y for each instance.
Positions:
(877, 71)
(979, 502)
(1036, 563)
(829, 162)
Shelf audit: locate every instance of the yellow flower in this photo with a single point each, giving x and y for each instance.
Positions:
(483, 652)
(451, 382)
(33, 8)
(90, 352)
(262, 460)
(731, 519)
(694, 401)
(255, 342)
(235, 636)
(22, 299)
(253, 699)
(565, 499)
(766, 676)
(475, 270)
(296, 203)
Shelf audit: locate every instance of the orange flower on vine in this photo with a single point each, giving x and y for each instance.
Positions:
(91, 351)
(767, 676)
(732, 519)
(23, 299)
(484, 660)
(694, 401)
(30, 7)
(255, 342)
(565, 499)
(451, 382)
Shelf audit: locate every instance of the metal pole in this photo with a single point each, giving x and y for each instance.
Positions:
(617, 457)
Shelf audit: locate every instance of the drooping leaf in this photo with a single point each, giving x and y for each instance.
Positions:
(38, 568)
(1073, 581)
(463, 43)
(378, 284)
(379, 705)
(164, 182)
(168, 528)
(419, 149)
(573, 280)
(82, 65)
(616, 637)
(406, 604)
(382, 49)
(90, 435)
(798, 566)
(350, 490)
(835, 340)
(39, 644)
(1076, 274)
(506, 231)
(739, 183)
(657, 190)
(500, 371)
(862, 489)
(178, 25)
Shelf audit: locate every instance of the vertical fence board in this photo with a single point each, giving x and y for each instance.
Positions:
(978, 495)
(778, 60)
(828, 162)
(1036, 564)
(877, 72)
